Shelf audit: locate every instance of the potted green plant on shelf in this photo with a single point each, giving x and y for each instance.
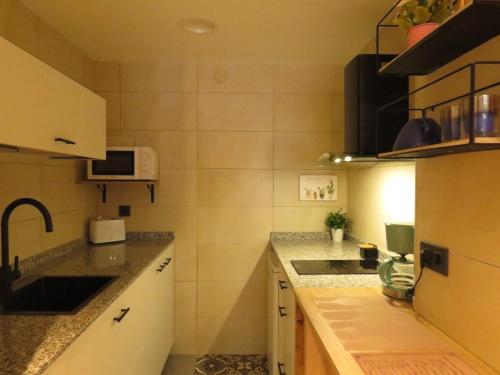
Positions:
(419, 18)
(337, 222)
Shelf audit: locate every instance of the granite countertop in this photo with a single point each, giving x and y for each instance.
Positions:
(30, 343)
(312, 245)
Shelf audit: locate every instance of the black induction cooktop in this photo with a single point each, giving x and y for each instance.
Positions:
(336, 267)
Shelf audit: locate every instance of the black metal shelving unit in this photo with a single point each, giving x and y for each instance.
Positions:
(470, 27)
(468, 144)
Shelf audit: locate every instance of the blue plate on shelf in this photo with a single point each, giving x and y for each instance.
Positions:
(418, 132)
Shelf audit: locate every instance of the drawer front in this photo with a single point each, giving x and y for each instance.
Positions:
(113, 342)
(159, 320)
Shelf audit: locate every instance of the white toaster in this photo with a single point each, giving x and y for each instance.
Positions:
(106, 230)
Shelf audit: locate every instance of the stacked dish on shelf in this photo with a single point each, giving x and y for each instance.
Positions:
(454, 124)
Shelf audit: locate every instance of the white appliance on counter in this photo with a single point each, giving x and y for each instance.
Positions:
(125, 163)
(106, 230)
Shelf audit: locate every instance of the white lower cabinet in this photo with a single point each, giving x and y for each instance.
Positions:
(159, 311)
(111, 344)
(286, 327)
(134, 335)
(282, 297)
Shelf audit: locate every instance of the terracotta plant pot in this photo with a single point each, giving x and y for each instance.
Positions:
(419, 32)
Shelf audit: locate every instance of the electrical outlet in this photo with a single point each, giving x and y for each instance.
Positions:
(434, 258)
(124, 211)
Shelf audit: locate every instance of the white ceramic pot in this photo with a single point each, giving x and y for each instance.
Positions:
(337, 235)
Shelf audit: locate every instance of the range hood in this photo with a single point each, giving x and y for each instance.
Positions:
(364, 92)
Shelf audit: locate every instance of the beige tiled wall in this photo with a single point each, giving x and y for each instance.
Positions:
(50, 181)
(233, 140)
(457, 207)
(380, 194)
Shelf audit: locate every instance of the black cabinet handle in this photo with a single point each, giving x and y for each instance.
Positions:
(161, 268)
(64, 140)
(122, 315)
(281, 368)
(282, 311)
(282, 284)
(167, 261)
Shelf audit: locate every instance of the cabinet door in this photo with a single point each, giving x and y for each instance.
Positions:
(286, 326)
(283, 314)
(159, 318)
(110, 347)
(289, 335)
(272, 317)
(39, 105)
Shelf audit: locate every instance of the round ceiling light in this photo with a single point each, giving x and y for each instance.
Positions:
(198, 25)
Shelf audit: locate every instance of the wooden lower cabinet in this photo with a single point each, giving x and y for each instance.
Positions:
(139, 344)
(311, 358)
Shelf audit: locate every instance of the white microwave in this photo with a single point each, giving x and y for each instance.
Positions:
(125, 163)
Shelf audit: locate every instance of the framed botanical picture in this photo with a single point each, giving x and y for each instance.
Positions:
(318, 188)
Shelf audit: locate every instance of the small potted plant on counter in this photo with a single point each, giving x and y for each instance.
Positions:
(419, 18)
(337, 222)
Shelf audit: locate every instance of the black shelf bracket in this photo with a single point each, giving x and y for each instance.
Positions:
(151, 188)
(103, 189)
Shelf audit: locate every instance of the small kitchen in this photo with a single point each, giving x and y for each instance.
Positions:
(286, 187)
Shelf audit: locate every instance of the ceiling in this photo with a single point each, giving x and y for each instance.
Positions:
(312, 31)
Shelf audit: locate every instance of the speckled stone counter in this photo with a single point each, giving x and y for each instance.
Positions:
(30, 343)
(318, 245)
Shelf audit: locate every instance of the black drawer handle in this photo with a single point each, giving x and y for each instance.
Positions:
(167, 261)
(281, 368)
(161, 268)
(282, 311)
(122, 315)
(282, 284)
(64, 140)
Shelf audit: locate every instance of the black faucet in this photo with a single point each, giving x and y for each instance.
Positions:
(7, 274)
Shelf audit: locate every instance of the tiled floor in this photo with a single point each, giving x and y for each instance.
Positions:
(180, 365)
(216, 365)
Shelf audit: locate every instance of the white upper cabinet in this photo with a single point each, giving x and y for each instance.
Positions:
(42, 110)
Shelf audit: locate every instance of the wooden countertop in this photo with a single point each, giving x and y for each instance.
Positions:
(342, 361)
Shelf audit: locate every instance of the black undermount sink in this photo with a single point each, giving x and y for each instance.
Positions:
(55, 295)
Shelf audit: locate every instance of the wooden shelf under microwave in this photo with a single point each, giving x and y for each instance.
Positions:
(102, 186)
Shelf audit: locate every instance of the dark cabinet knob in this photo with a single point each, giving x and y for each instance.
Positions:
(64, 140)
(124, 312)
(282, 284)
(281, 368)
(161, 267)
(282, 311)
(167, 261)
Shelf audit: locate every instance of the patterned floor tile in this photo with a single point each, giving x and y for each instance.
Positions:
(231, 365)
